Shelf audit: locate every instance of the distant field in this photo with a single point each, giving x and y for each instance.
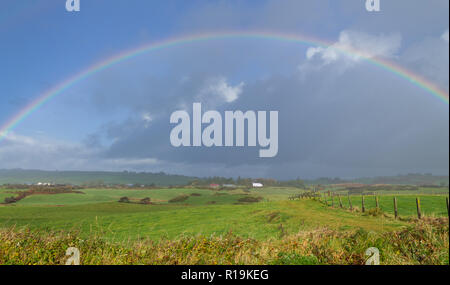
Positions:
(421, 190)
(113, 195)
(395, 190)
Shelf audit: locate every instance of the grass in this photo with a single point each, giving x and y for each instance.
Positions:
(203, 227)
(131, 221)
(431, 205)
(112, 195)
(424, 242)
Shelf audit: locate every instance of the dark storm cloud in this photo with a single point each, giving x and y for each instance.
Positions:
(344, 117)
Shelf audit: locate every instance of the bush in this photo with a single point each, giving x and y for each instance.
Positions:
(179, 198)
(146, 200)
(10, 200)
(250, 199)
(124, 200)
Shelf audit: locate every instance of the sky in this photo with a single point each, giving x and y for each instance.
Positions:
(339, 115)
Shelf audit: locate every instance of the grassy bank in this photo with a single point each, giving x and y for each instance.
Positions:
(423, 242)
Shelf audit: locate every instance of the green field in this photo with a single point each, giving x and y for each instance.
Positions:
(431, 205)
(215, 227)
(209, 212)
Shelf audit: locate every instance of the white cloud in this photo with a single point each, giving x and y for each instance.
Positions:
(352, 45)
(147, 118)
(444, 36)
(12, 137)
(218, 86)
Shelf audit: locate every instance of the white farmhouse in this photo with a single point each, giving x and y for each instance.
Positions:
(257, 185)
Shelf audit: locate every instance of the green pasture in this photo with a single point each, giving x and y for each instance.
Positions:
(208, 212)
(261, 220)
(431, 205)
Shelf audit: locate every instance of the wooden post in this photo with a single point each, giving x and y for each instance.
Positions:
(419, 214)
(446, 199)
(325, 198)
(340, 201)
(349, 201)
(332, 201)
(376, 202)
(395, 208)
(363, 209)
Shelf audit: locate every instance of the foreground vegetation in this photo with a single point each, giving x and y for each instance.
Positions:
(423, 242)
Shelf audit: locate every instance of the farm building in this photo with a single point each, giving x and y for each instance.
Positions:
(44, 184)
(257, 185)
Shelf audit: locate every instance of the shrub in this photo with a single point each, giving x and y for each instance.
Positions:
(250, 199)
(124, 200)
(179, 198)
(146, 200)
(10, 200)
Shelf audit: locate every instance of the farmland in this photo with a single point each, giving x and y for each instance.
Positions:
(211, 214)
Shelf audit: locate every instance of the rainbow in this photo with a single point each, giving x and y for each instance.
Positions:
(128, 54)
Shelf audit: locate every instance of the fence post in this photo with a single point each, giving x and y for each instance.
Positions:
(419, 214)
(349, 201)
(332, 200)
(395, 208)
(340, 200)
(376, 202)
(363, 209)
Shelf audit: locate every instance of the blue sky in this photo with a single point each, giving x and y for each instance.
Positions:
(339, 117)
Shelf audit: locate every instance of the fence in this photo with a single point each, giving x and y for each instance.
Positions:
(407, 205)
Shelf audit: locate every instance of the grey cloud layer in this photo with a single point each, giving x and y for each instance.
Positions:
(355, 118)
(338, 116)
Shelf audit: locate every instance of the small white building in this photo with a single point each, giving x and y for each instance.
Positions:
(44, 184)
(257, 185)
